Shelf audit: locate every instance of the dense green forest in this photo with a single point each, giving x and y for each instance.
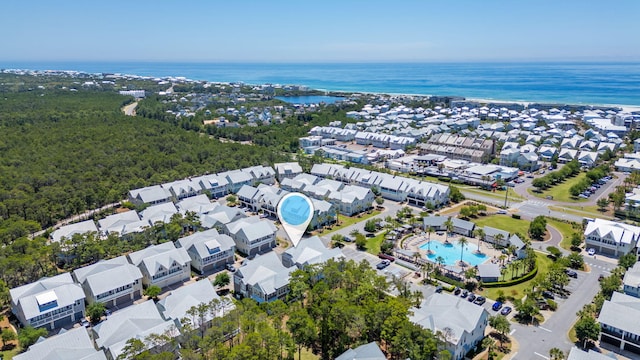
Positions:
(64, 152)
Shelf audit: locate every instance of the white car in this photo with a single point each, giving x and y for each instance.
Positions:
(591, 251)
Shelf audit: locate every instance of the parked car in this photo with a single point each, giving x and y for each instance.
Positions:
(347, 239)
(231, 268)
(502, 211)
(439, 289)
(107, 312)
(383, 264)
(505, 310)
(464, 294)
(571, 273)
(457, 291)
(548, 295)
(84, 322)
(471, 297)
(591, 251)
(480, 300)
(496, 306)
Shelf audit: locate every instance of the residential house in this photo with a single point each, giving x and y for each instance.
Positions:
(310, 251)
(216, 186)
(248, 197)
(263, 279)
(50, 303)
(610, 237)
(547, 152)
(185, 188)
(287, 170)
(463, 322)
(159, 213)
(627, 164)
(352, 199)
(578, 354)
(162, 264)
(221, 216)
(67, 231)
(133, 322)
(123, 224)
(176, 305)
(567, 155)
(519, 245)
(261, 174)
(237, 178)
(199, 204)
(112, 282)
(209, 250)
(631, 281)
(252, 235)
(619, 324)
(73, 344)
(370, 351)
(492, 235)
(588, 158)
(150, 195)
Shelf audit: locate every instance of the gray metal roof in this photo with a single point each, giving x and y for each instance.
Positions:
(61, 288)
(151, 194)
(68, 231)
(74, 344)
(107, 275)
(115, 222)
(161, 212)
(265, 271)
(203, 243)
(577, 354)
(370, 351)
(158, 257)
(179, 301)
(621, 312)
(312, 251)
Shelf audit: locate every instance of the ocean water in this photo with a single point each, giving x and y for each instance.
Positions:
(562, 82)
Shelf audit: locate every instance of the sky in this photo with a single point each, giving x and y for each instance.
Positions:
(320, 31)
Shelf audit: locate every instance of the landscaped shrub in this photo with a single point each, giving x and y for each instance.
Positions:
(515, 216)
(517, 281)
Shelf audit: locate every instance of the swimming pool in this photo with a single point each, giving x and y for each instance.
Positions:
(451, 253)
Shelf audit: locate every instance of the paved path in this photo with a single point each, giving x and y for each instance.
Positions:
(130, 110)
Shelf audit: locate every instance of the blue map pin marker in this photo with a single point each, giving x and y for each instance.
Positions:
(295, 211)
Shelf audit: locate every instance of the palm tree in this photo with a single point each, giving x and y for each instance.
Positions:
(440, 260)
(480, 235)
(462, 242)
(416, 256)
(449, 225)
(429, 231)
(498, 239)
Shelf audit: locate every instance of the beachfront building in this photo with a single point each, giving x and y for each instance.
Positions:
(263, 279)
(112, 282)
(612, 238)
(463, 322)
(49, 303)
(209, 250)
(162, 264)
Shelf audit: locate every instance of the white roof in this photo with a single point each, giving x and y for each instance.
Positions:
(68, 231)
(160, 257)
(60, 288)
(74, 344)
(108, 275)
(618, 232)
(179, 301)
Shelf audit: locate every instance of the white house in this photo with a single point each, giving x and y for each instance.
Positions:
(208, 250)
(73, 344)
(619, 322)
(176, 305)
(199, 204)
(133, 322)
(463, 322)
(49, 302)
(184, 188)
(610, 237)
(112, 282)
(631, 281)
(310, 251)
(67, 231)
(287, 170)
(252, 235)
(263, 279)
(159, 213)
(162, 264)
(370, 351)
(150, 195)
(123, 223)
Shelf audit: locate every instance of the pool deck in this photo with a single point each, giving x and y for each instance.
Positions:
(414, 242)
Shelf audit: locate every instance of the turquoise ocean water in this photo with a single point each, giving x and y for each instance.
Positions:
(572, 83)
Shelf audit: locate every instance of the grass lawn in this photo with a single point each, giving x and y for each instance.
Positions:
(517, 291)
(505, 222)
(560, 192)
(498, 194)
(348, 221)
(9, 354)
(373, 244)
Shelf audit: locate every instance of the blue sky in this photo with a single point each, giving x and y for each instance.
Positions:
(320, 31)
